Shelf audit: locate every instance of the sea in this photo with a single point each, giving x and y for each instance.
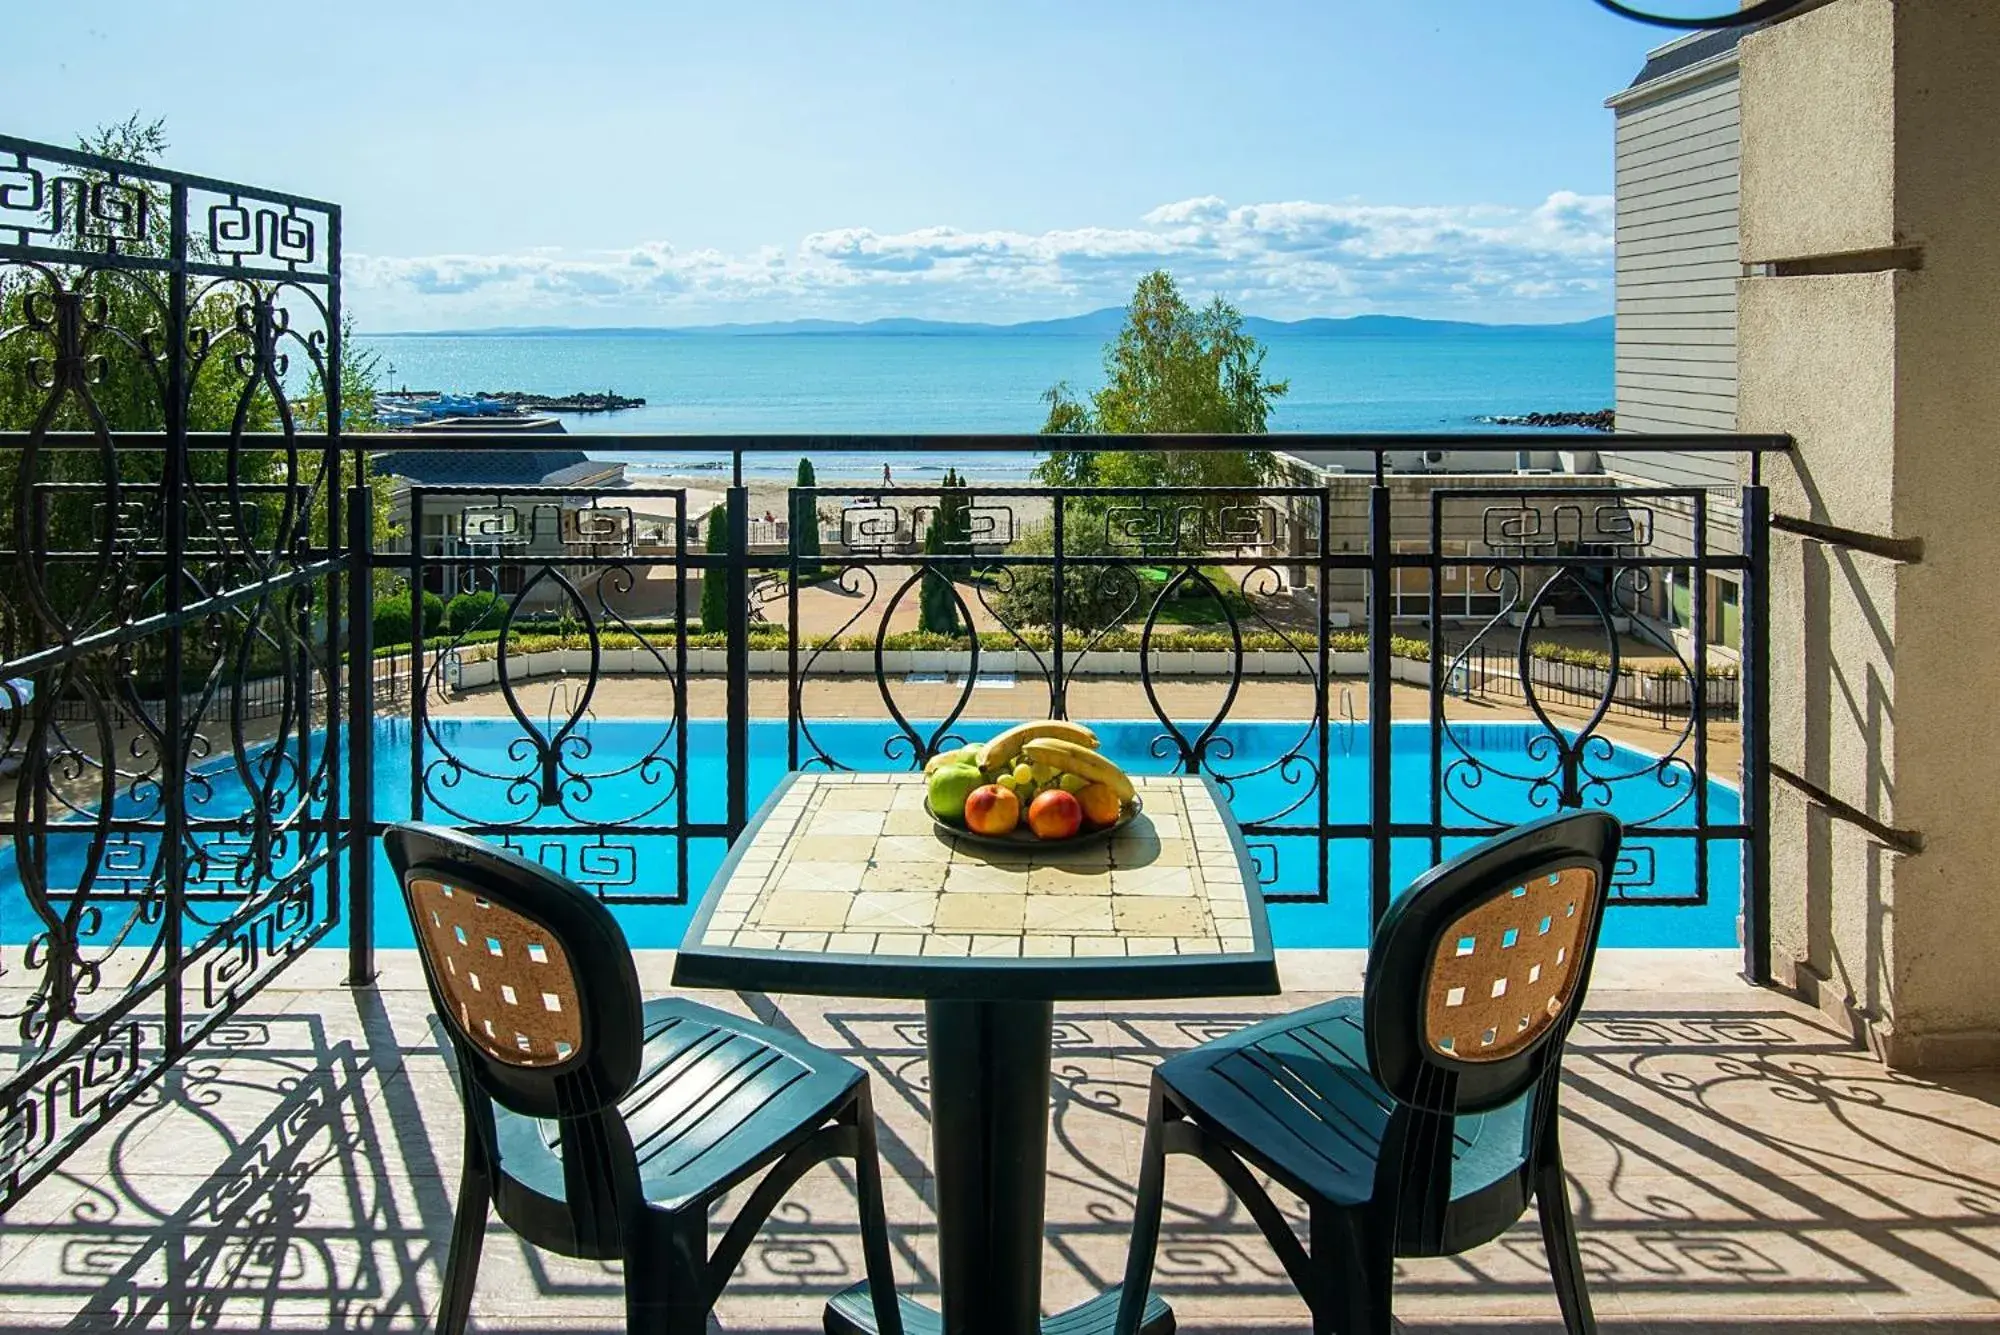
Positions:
(854, 382)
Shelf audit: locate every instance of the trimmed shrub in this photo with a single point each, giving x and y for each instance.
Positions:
(468, 610)
(392, 620)
(433, 615)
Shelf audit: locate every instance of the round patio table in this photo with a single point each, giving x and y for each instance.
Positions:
(840, 886)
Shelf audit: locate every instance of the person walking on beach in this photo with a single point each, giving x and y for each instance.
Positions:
(887, 481)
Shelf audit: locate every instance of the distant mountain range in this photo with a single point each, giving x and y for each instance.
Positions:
(1096, 324)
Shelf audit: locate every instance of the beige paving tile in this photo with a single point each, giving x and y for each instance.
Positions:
(1154, 881)
(835, 823)
(911, 848)
(982, 878)
(1150, 916)
(1148, 851)
(1067, 915)
(1064, 880)
(977, 912)
(925, 876)
(907, 821)
(827, 877)
(846, 800)
(891, 911)
(803, 909)
(817, 849)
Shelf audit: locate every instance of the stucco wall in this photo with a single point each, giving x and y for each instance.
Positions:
(1868, 126)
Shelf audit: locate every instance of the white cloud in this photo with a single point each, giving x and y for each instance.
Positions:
(1287, 259)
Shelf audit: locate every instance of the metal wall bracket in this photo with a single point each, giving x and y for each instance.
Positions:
(1908, 842)
(1909, 551)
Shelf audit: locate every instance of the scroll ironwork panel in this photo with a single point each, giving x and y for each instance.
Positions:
(560, 597)
(169, 604)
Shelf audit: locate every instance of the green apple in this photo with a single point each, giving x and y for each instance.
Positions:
(964, 755)
(948, 788)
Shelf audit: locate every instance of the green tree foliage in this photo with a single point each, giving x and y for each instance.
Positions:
(472, 611)
(715, 580)
(955, 514)
(805, 525)
(1171, 369)
(392, 621)
(1093, 596)
(937, 609)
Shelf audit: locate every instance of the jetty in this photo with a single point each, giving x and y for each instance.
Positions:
(489, 410)
(1600, 420)
(607, 402)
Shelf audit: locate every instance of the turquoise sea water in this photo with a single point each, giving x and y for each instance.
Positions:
(606, 782)
(838, 383)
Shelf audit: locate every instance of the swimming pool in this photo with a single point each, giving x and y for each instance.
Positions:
(620, 773)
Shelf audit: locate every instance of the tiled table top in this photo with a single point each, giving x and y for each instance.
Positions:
(843, 885)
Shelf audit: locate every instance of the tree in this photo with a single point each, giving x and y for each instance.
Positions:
(1094, 596)
(805, 525)
(1171, 369)
(955, 513)
(714, 579)
(937, 608)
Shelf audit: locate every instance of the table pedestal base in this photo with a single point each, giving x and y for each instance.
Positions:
(989, 1067)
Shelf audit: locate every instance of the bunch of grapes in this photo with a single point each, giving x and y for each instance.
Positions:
(1026, 780)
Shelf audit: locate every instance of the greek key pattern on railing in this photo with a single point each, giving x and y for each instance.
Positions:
(167, 623)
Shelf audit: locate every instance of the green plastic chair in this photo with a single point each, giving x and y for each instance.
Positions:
(599, 1125)
(1420, 1119)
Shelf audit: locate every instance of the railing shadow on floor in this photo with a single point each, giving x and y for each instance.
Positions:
(1752, 1167)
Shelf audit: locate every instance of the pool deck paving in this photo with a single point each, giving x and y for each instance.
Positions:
(1737, 1165)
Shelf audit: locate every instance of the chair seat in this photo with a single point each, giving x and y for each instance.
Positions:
(1294, 1095)
(717, 1097)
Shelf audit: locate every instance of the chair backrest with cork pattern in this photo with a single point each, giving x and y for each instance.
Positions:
(1477, 971)
(531, 974)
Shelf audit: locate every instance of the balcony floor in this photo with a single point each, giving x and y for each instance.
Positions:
(1738, 1164)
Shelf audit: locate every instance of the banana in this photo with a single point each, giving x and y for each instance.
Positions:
(1002, 749)
(1079, 760)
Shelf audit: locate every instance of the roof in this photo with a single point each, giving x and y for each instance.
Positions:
(1687, 52)
(482, 468)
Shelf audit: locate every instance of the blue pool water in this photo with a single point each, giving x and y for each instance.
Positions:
(621, 776)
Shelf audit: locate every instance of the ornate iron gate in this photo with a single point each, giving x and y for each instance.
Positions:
(171, 587)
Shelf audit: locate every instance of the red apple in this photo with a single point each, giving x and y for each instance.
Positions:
(1055, 814)
(991, 809)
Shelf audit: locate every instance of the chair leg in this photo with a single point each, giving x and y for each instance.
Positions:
(468, 1236)
(1559, 1238)
(665, 1265)
(875, 1256)
(1357, 1273)
(1150, 1201)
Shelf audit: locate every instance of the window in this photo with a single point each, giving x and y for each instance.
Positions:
(1729, 613)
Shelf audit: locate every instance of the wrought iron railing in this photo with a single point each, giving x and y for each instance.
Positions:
(171, 722)
(1295, 585)
(199, 744)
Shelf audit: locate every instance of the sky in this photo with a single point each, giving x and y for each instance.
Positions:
(650, 162)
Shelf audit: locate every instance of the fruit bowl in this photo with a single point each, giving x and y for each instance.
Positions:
(1023, 837)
